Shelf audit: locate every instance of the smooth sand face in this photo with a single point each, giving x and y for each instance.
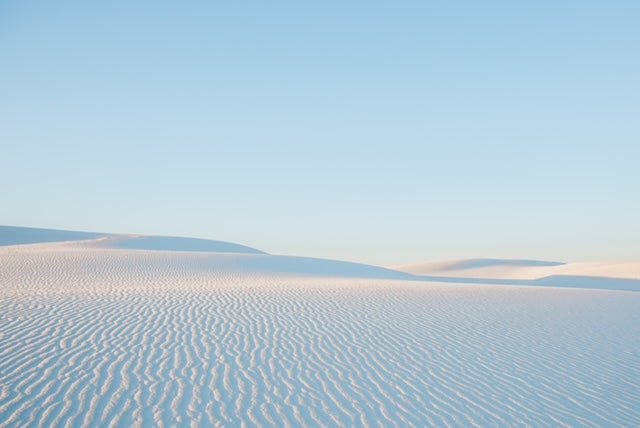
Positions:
(522, 269)
(107, 336)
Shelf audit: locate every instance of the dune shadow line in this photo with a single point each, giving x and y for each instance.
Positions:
(563, 281)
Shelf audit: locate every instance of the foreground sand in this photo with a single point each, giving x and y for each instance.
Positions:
(93, 336)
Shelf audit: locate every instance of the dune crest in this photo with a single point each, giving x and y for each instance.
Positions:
(12, 235)
(595, 275)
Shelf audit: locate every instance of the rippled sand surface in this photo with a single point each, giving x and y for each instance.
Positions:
(114, 337)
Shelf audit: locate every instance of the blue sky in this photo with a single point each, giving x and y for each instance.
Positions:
(382, 132)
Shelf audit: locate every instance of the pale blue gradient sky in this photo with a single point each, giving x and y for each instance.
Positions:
(381, 132)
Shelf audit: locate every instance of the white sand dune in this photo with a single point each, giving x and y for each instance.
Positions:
(93, 333)
(522, 269)
(468, 267)
(606, 275)
(11, 235)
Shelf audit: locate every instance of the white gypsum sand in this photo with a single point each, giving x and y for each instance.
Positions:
(593, 275)
(95, 333)
(523, 269)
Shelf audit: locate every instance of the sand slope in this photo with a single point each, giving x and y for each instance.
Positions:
(98, 335)
(12, 235)
(602, 275)
(522, 269)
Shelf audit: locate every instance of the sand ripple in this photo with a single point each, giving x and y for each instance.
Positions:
(119, 338)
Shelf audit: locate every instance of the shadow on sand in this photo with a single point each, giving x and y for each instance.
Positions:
(563, 281)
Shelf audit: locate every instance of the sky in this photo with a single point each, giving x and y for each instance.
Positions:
(377, 132)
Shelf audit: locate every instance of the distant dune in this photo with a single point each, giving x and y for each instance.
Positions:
(467, 264)
(230, 257)
(521, 269)
(603, 275)
(224, 257)
(11, 235)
